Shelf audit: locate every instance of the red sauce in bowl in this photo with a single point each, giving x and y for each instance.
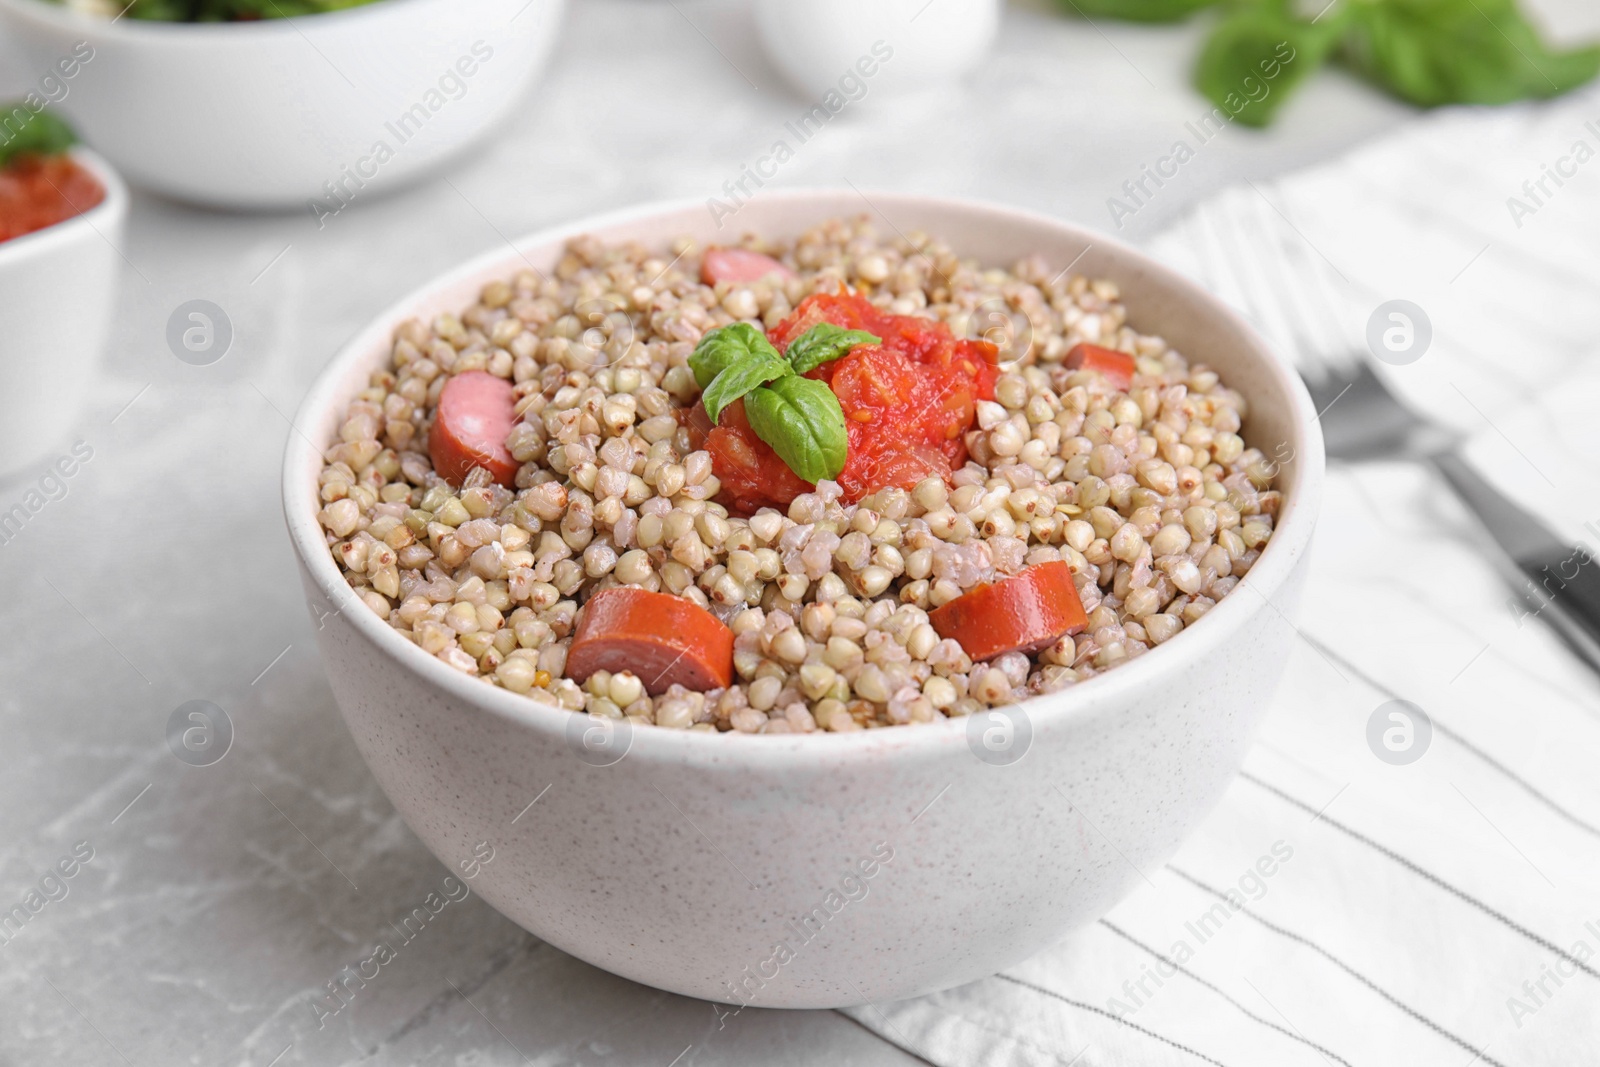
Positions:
(40, 191)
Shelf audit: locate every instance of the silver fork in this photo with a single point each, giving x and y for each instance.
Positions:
(1256, 261)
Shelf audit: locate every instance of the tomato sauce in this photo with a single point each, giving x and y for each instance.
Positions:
(40, 191)
(907, 404)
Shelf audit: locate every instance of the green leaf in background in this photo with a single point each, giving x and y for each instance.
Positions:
(1259, 54)
(1136, 10)
(738, 378)
(1434, 52)
(159, 10)
(25, 131)
(1428, 52)
(802, 420)
(824, 342)
(725, 346)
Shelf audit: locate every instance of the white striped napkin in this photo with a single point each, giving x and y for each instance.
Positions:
(1337, 909)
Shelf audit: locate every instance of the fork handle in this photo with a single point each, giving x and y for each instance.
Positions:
(1556, 582)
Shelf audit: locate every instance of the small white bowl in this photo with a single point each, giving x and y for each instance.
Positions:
(60, 286)
(850, 53)
(284, 112)
(687, 861)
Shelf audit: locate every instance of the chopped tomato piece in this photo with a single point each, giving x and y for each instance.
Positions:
(1116, 367)
(752, 475)
(1024, 613)
(907, 404)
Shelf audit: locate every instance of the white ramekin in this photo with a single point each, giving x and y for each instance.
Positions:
(846, 54)
(58, 291)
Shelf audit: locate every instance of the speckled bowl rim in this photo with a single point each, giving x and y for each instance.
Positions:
(1104, 694)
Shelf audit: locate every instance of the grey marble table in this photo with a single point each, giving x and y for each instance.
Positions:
(220, 901)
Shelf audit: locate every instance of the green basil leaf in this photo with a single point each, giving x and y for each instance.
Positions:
(164, 10)
(802, 420)
(1433, 52)
(738, 378)
(1257, 56)
(825, 342)
(23, 130)
(1135, 10)
(721, 348)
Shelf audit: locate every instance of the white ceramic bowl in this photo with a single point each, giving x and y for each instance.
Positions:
(263, 114)
(686, 862)
(862, 50)
(59, 287)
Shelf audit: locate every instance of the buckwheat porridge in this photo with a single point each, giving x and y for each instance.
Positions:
(787, 487)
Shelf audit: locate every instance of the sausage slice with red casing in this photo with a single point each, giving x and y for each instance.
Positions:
(663, 639)
(1116, 367)
(1024, 613)
(738, 266)
(475, 415)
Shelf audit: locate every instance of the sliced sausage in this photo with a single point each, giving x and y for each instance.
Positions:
(1024, 613)
(475, 415)
(661, 638)
(1116, 367)
(739, 265)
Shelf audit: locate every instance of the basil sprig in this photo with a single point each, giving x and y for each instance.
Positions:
(26, 131)
(721, 348)
(1427, 52)
(799, 417)
(1257, 57)
(802, 420)
(822, 343)
(739, 379)
(1478, 52)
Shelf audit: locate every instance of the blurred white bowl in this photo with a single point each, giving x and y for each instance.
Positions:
(59, 287)
(875, 48)
(277, 113)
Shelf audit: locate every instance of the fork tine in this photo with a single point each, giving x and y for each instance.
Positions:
(1260, 264)
(1261, 249)
(1347, 334)
(1217, 224)
(1218, 266)
(1258, 261)
(1306, 280)
(1290, 267)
